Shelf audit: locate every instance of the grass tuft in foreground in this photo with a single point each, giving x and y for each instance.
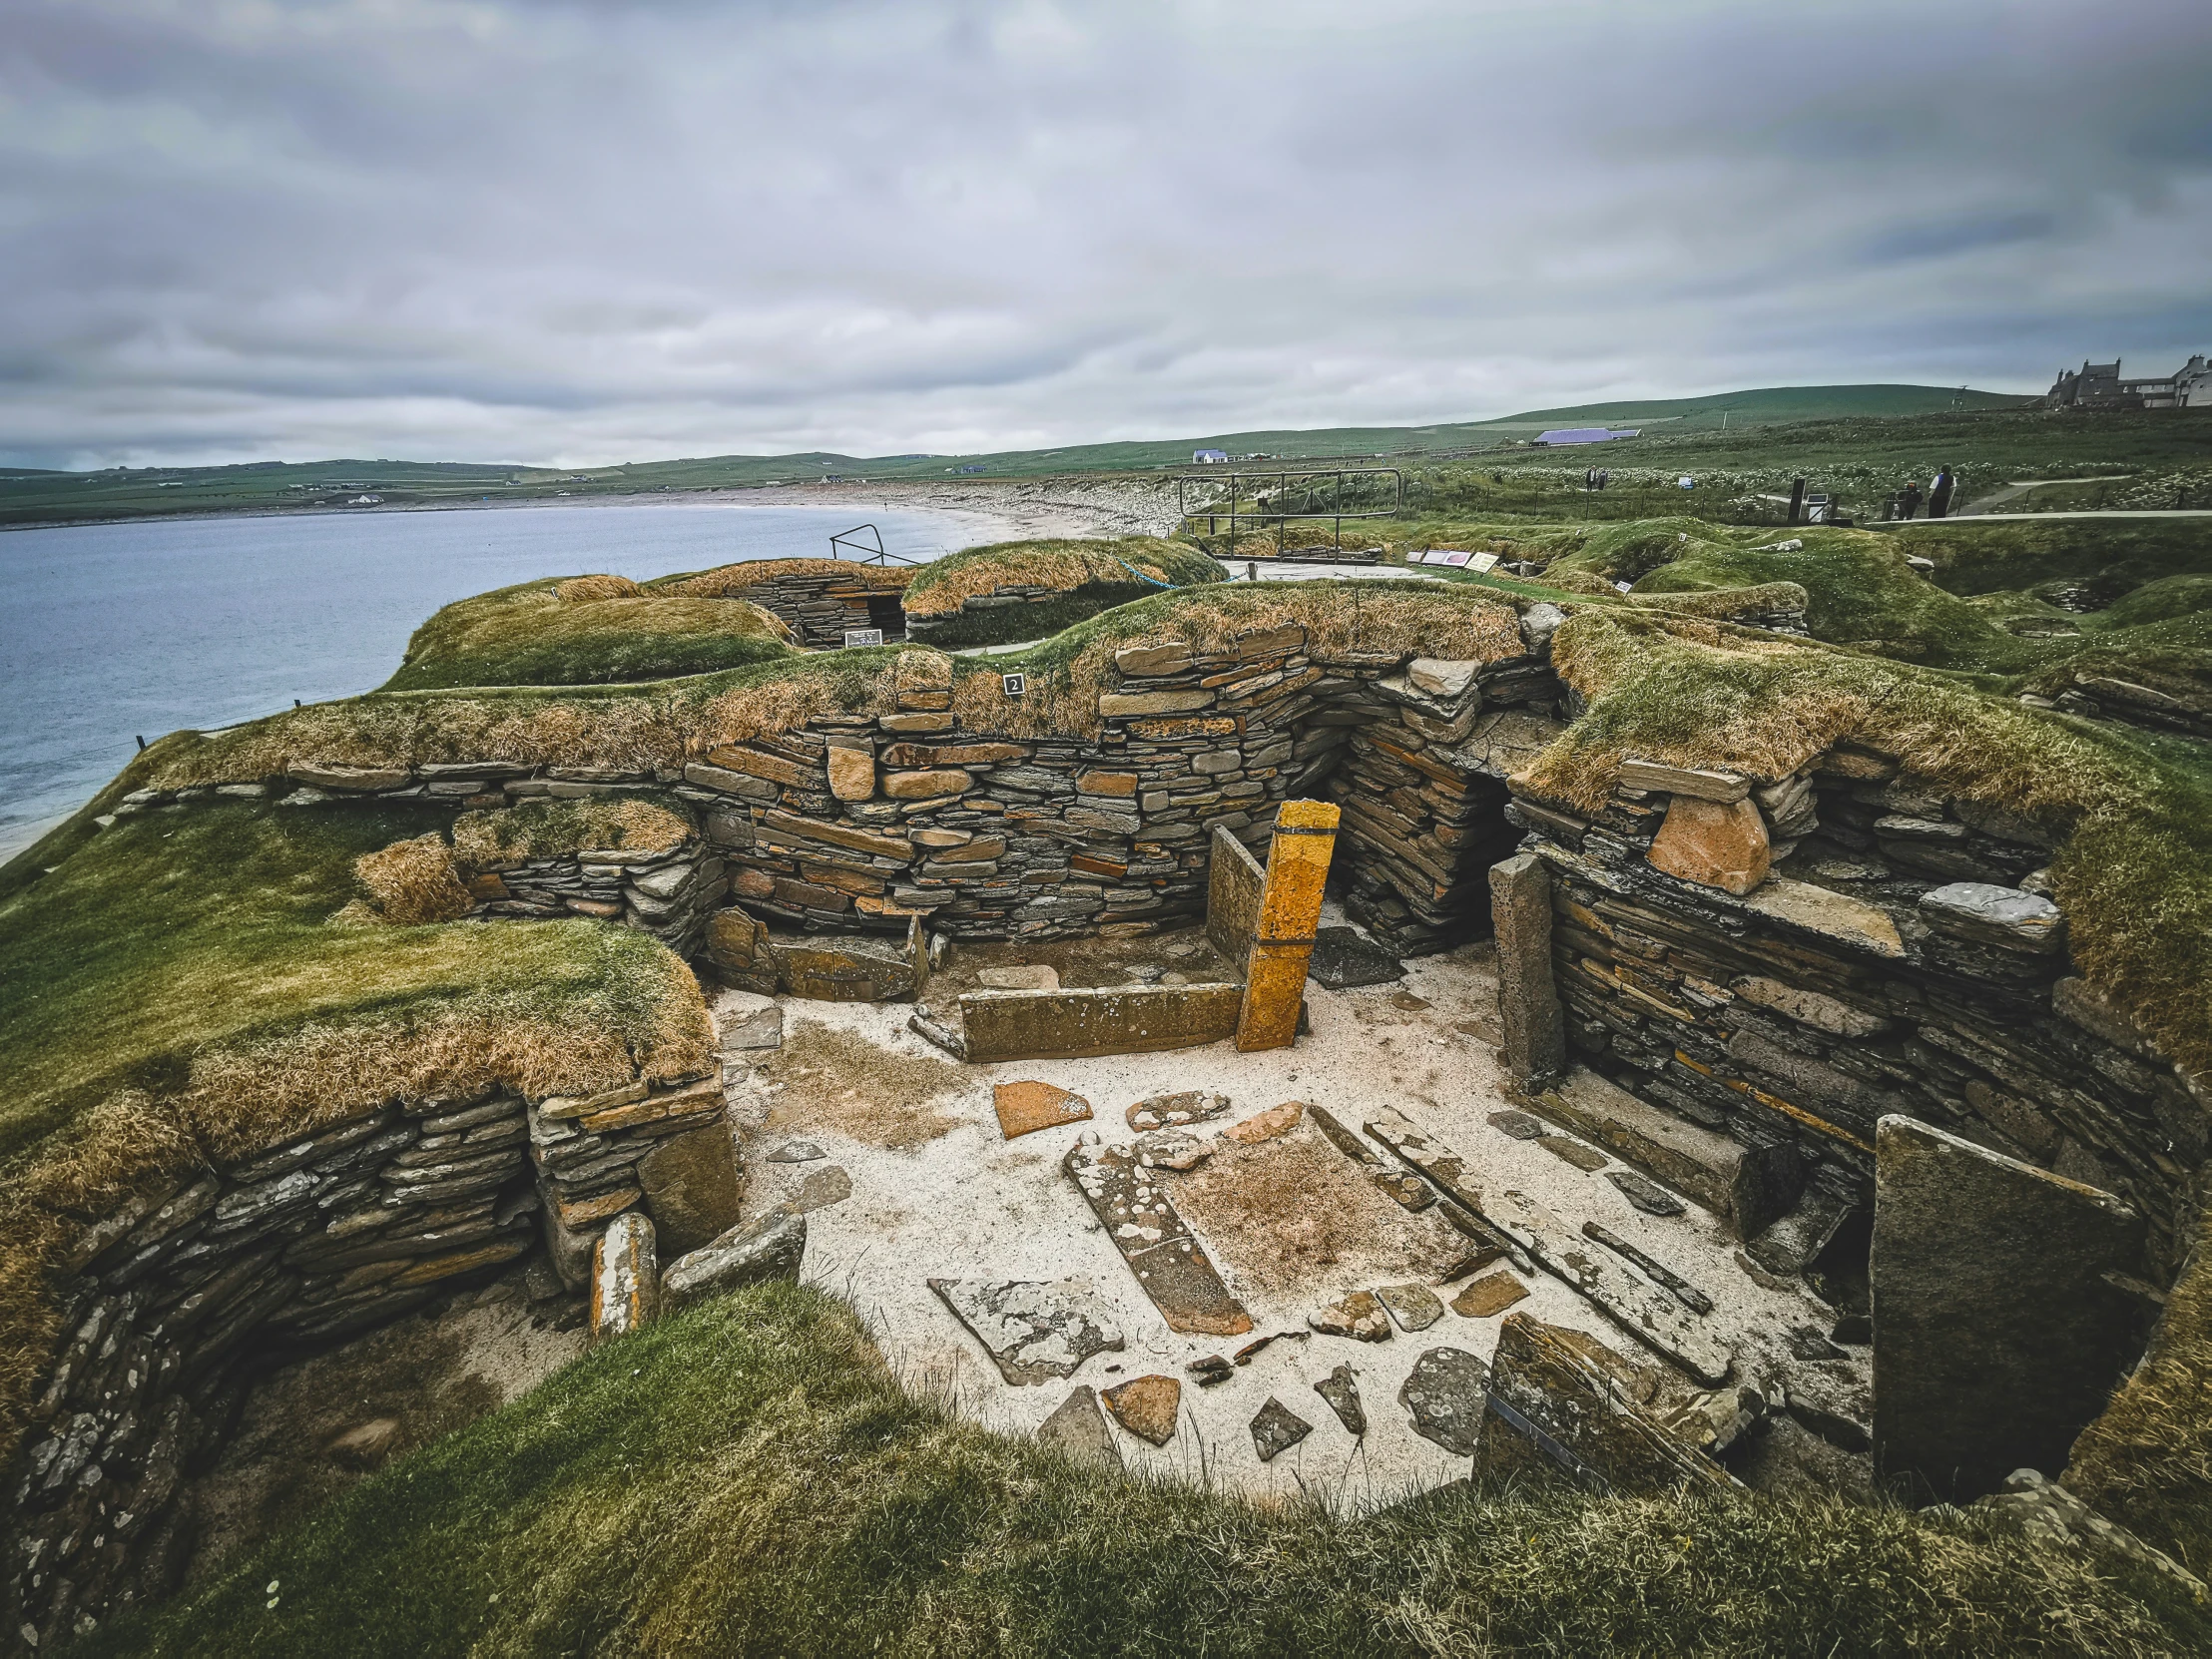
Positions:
(747, 1477)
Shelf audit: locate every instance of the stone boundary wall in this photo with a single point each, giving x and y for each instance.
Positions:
(2105, 696)
(172, 1301)
(1926, 980)
(854, 822)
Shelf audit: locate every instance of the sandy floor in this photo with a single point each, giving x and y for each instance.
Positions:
(1006, 511)
(934, 1192)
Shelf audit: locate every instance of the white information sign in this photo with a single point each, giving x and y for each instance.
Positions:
(856, 637)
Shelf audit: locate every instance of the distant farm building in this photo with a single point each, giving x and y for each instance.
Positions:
(1209, 457)
(1586, 434)
(2100, 386)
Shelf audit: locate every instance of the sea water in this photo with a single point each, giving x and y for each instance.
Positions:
(113, 631)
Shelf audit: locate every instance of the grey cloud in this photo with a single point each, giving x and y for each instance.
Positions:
(520, 229)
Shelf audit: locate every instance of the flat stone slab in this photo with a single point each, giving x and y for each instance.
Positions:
(1078, 1429)
(1176, 1149)
(1034, 1331)
(1025, 1108)
(1997, 1335)
(1414, 1307)
(1026, 977)
(771, 1248)
(1340, 1388)
(2006, 917)
(1647, 1196)
(820, 1189)
(1490, 1294)
(1584, 1158)
(1748, 1186)
(1358, 1316)
(1408, 1191)
(1175, 1111)
(1445, 1392)
(1342, 960)
(1519, 1125)
(1147, 1407)
(1267, 1125)
(1171, 1266)
(1275, 1429)
(796, 1152)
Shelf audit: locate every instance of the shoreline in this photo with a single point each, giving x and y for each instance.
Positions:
(1008, 510)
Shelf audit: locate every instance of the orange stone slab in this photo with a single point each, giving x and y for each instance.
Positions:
(1147, 1407)
(1493, 1294)
(1025, 1108)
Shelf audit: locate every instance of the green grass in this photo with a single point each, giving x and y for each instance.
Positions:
(1975, 556)
(527, 635)
(748, 1478)
(175, 992)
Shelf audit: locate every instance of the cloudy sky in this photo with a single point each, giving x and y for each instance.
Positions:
(605, 229)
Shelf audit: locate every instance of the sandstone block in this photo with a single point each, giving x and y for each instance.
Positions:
(1147, 1407)
(1713, 845)
(1276, 1121)
(851, 774)
(1441, 678)
(1113, 704)
(1078, 1429)
(927, 785)
(1034, 1331)
(1722, 787)
(1025, 1108)
(2006, 917)
(351, 780)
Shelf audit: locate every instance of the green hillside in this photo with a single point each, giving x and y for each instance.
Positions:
(36, 497)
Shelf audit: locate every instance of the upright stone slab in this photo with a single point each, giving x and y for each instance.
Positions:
(1234, 880)
(1290, 916)
(625, 1277)
(1996, 1336)
(1528, 1000)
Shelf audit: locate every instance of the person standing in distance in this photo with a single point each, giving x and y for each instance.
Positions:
(1938, 492)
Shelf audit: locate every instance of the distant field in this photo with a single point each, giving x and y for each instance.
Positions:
(1752, 418)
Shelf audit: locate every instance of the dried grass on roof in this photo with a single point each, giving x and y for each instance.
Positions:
(1061, 565)
(555, 828)
(582, 590)
(412, 882)
(732, 581)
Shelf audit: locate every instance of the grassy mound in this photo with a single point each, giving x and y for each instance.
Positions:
(585, 631)
(1086, 576)
(748, 1477)
(734, 581)
(1985, 556)
(174, 992)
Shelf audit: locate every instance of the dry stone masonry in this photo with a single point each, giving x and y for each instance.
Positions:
(176, 1299)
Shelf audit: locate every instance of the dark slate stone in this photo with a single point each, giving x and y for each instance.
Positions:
(1519, 1125)
(1445, 1391)
(1647, 1196)
(1342, 960)
(1341, 1391)
(1277, 1429)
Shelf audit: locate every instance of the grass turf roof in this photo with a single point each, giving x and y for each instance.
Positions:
(733, 581)
(584, 631)
(1118, 562)
(173, 993)
(748, 1477)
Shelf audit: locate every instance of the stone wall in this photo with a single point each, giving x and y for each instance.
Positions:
(1907, 961)
(853, 823)
(817, 606)
(175, 1301)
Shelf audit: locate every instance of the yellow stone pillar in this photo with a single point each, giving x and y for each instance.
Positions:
(1290, 914)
